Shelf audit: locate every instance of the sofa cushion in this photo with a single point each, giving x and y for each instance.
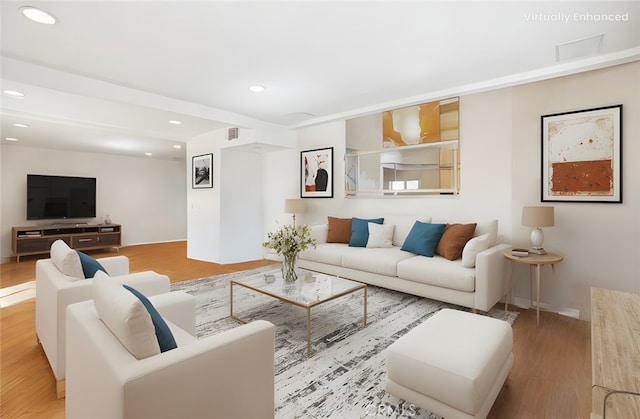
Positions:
(339, 230)
(90, 265)
(329, 253)
(381, 260)
(360, 231)
(453, 239)
(439, 272)
(380, 235)
(482, 227)
(423, 238)
(66, 260)
(125, 316)
(472, 248)
(163, 333)
(403, 225)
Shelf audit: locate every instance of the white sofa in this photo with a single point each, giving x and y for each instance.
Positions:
(478, 287)
(228, 375)
(55, 291)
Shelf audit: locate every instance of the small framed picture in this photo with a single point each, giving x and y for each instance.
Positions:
(316, 173)
(202, 171)
(582, 156)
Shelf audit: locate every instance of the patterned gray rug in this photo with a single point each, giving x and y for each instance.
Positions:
(345, 376)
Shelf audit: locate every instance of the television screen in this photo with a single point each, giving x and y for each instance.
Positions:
(60, 197)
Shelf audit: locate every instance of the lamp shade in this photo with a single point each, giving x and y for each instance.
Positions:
(294, 206)
(537, 216)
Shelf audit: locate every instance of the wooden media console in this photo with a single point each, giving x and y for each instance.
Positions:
(33, 240)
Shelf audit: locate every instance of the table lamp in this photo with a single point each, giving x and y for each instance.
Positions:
(537, 217)
(294, 206)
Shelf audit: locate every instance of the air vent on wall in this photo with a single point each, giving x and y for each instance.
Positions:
(232, 134)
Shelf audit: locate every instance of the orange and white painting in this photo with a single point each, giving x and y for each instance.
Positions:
(581, 156)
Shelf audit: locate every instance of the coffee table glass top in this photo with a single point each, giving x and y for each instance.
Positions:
(310, 289)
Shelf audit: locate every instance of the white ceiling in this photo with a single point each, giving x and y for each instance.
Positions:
(110, 74)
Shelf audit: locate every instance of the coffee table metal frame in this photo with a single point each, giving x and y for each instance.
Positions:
(306, 305)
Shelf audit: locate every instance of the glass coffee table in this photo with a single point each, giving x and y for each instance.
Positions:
(311, 289)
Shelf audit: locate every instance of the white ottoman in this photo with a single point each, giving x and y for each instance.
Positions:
(454, 364)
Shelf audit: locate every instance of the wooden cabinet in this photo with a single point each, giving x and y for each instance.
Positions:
(33, 240)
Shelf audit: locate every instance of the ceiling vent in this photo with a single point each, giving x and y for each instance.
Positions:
(232, 134)
(579, 48)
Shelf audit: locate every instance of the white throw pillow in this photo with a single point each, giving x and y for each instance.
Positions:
(473, 247)
(66, 260)
(125, 316)
(380, 235)
(490, 227)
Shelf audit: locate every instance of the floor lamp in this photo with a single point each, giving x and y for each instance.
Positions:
(294, 206)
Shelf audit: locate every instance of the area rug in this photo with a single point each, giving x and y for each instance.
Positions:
(345, 375)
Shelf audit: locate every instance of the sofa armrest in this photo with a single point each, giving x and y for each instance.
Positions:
(115, 265)
(319, 233)
(224, 371)
(491, 280)
(178, 307)
(212, 377)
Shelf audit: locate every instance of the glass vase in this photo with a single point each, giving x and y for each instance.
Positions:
(290, 267)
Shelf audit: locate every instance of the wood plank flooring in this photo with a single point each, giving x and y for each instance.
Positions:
(551, 376)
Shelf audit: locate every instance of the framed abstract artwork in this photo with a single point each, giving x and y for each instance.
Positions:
(202, 171)
(582, 156)
(316, 173)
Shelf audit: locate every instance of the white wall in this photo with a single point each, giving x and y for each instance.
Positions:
(203, 208)
(280, 181)
(500, 172)
(241, 206)
(145, 195)
(484, 186)
(600, 242)
(225, 223)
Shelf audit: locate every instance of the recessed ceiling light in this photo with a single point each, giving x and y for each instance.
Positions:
(175, 122)
(21, 125)
(11, 139)
(148, 154)
(256, 88)
(38, 15)
(13, 93)
(177, 146)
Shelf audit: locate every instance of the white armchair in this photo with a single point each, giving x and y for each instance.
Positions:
(55, 291)
(228, 375)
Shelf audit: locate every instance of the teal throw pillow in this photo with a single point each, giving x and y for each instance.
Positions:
(423, 238)
(89, 265)
(165, 338)
(360, 231)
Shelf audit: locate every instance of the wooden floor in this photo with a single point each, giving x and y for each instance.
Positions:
(551, 376)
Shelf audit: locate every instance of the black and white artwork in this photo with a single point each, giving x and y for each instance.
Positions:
(202, 171)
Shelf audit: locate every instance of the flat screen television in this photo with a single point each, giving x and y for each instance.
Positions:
(60, 197)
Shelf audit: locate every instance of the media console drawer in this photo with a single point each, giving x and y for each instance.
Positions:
(37, 245)
(95, 240)
(33, 240)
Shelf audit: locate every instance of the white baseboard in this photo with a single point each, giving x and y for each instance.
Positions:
(570, 312)
(524, 303)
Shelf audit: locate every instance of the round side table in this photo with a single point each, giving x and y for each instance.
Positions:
(532, 259)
